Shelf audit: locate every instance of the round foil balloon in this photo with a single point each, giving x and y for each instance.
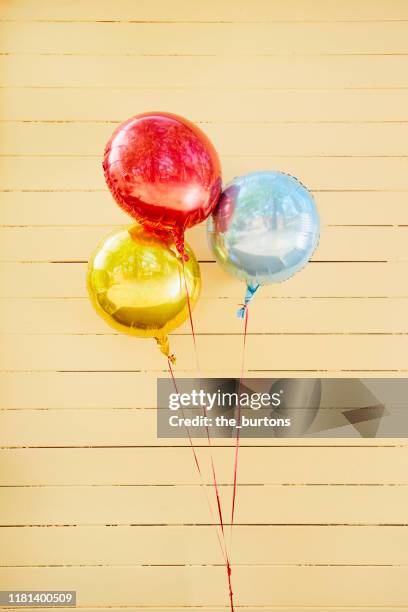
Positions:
(137, 283)
(264, 229)
(164, 171)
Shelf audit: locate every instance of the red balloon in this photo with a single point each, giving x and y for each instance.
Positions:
(164, 172)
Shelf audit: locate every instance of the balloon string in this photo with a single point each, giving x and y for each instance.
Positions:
(197, 463)
(204, 409)
(223, 548)
(217, 495)
(190, 317)
(234, 490)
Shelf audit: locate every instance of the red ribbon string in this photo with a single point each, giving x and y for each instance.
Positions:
(216, 489)
(234, 490)
(197, 463)
(222, 547)
(190, 317)
(215, 483)
(187, 428)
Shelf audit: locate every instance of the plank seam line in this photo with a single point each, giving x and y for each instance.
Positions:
(182, 446)
(207, 261)
(203, 565)
(266, 156)
(179, 370)
(195, 485)
(204, 22)
(182, 526)
(105, 190)
(201, 88)
(221, 54)
(204, 608)
(209, 122)
(201, 334)
(145, 525)
(223, 298)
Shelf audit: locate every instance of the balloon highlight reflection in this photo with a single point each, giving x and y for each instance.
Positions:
(164, 171)
(137, 283)
(264, 229)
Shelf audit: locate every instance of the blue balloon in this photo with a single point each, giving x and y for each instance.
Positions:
(264, 229)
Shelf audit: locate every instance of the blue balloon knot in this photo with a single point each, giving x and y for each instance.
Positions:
(241, 312)
(250, 292)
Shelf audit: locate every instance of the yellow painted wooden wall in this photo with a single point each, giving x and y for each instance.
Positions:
(90, 499)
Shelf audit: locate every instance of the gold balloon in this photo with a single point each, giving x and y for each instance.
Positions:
(137, 283)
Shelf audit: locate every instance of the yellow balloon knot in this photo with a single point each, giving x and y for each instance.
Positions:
(164, 346)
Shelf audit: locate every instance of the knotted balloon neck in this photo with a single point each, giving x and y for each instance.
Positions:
(164, 346)
(178, 237)
(250, 292)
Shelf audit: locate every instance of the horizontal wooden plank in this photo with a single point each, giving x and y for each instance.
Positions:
(292, 10)
(65, 208)
(121, 38)
(330, 173)
(213, 315)
(101, 390)
(180, 71)
(364, 280)
(90, 208)
(317, 586)
(106, 505)
(269, 140)
(169, 466)
(205, 105)
(223, 609)
(84, 427)
(98, 391)
(77, 243)
(263, 352)
(198, 545)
